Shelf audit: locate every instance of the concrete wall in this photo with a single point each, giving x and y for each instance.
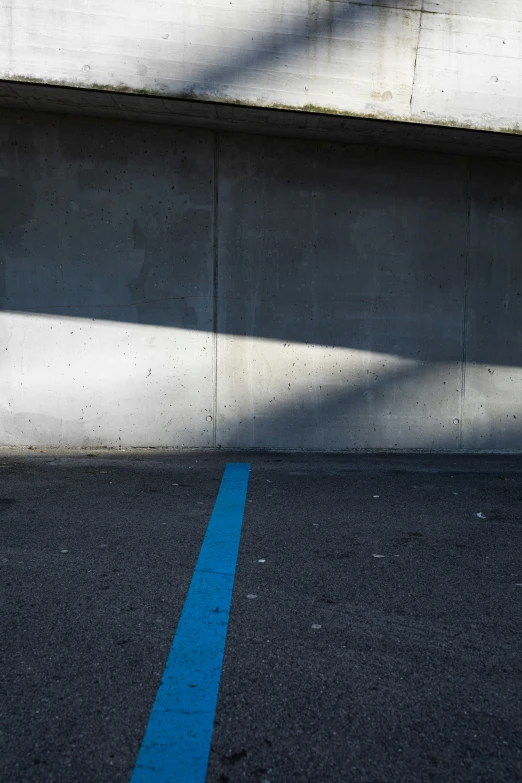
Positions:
(444, 62)
(182, 288)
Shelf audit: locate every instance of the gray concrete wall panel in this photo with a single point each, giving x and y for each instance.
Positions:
(493, 381)
(341, 283)
(184, 288)
(106, 237)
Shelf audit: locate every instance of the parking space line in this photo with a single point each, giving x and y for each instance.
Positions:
(176, 745)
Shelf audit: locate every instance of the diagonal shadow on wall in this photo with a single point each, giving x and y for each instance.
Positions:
(277, 246)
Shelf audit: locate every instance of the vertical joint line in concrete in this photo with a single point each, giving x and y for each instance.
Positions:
(416, 55)
(215, 282)
(465, 312)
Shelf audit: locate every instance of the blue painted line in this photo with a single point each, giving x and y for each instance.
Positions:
(177, 740)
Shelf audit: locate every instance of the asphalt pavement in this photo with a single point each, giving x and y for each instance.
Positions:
(375, 628)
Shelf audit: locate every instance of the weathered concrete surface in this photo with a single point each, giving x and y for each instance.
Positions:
(469, 63)
(344, 270)
(180, 288)
(445, 62)
(494, 325)
(106, 238)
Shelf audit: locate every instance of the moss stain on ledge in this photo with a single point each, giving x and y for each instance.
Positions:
(220, 100)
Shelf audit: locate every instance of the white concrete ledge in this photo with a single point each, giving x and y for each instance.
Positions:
(452, 63)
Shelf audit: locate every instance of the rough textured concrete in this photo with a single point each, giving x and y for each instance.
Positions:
(180, 288)
(443, 62)
(348, 340)
(106, 237)
(494, 324)
(414, 675)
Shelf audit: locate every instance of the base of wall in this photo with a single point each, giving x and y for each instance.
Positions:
(152, 452)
